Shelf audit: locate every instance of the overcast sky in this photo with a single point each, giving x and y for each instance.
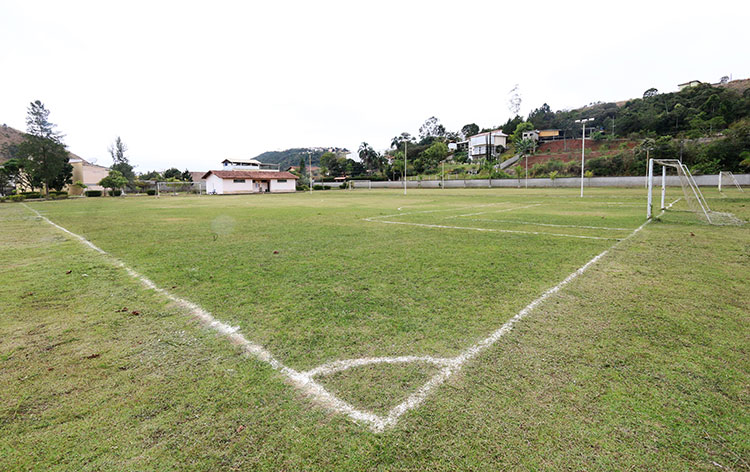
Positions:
(188, 84)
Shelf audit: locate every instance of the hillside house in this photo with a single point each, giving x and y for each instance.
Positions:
(487, 144)
(249, 176)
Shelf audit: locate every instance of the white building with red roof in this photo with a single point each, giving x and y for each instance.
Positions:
(249, 176)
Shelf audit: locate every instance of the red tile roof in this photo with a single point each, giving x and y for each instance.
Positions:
(250, 174)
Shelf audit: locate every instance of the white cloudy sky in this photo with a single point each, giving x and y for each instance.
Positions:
(188, 84)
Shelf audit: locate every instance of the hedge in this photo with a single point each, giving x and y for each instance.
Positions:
(116, 193)
(93, 193)
(151, 192)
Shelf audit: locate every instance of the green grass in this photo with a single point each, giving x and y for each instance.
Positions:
(640, 363)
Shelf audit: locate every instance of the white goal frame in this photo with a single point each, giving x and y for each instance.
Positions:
(730, 178)
(690, 190)
(353, 184)
(162, 185)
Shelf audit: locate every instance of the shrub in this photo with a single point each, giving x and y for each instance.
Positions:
(116, 192)
(318, 187)
(17, 198)
(93, 193)
(151, 192)
(31, 194)
(343, 186)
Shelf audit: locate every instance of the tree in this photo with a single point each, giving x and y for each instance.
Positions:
(652, 92)
(469, 130)
(432, 156)
(187, 176)
(153, 175)
(114, 180)
(302, 167)
(514, 102)
(120, 161)
(518, 133)
(369, 157)
(172, 173)
(44, 155)
(12, 173)
(431, 129)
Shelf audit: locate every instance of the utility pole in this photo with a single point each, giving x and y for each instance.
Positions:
(405, 148)
(583, 147)
(309, 170)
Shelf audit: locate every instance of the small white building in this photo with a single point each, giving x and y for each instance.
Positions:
(495, 140)
(249, 181)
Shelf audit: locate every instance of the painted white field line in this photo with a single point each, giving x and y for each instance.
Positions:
(491, 230)
(302, 380)
(305, 382)
(550, 224)
(456, 363)
(494, 211)
(434, 211)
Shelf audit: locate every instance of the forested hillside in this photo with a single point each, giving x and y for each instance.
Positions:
(291, 157)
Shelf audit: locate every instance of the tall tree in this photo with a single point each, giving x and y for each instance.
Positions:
(369, 157)
(120, 161)
(431, 129)
(469, 130)
(514, 101)
(172, 173)
(43, 152)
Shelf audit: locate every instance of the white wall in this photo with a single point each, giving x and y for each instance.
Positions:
(289, 186)
(242, 187)
(214, 184)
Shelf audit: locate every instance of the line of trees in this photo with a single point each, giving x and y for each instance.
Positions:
(41, 160)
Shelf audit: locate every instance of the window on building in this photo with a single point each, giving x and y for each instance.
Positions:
(281, 181)
(239, 181)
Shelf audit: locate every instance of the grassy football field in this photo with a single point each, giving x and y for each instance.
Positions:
(640, 362)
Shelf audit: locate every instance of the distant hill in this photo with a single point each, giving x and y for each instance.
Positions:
(12, 137)
(291, 157)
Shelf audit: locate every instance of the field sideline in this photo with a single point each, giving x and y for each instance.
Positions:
(640, 362)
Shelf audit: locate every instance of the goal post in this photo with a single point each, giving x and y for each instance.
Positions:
(691, 193)
(730, 179)
(180, 188)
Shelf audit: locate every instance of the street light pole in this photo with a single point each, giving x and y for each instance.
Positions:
(405, 147)
(583, 147)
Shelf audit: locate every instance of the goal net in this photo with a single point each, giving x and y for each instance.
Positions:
(728, 179)
(690, 190)
(354, 184)
(180, 188)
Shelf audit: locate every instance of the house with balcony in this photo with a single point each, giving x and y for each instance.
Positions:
(487, 144)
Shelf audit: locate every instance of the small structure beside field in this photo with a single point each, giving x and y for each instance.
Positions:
(249, 176)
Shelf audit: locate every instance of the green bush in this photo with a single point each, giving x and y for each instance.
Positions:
(93, 193)
(116, 192)
(17, 198)
(60, 196)
(31, 194)
(150, 192)
(343, 186)
(318, 187)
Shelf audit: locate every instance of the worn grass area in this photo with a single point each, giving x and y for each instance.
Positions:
(641, 363)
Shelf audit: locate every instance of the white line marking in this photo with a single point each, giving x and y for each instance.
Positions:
(550, 224)
(494, 211)
(305, 382)
(491, 230)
